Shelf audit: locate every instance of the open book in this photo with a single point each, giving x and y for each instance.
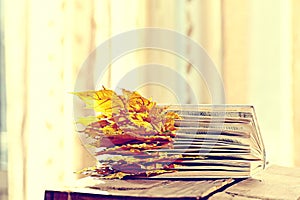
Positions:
(215, 141)
(132, 136)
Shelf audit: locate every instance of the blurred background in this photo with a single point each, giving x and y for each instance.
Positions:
(254, 44)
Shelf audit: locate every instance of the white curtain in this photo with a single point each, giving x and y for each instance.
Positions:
(254, 45)
(46, 42)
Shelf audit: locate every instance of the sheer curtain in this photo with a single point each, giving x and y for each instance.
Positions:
(259, 49)
(46, 42)
(295, 35)
(254, 46)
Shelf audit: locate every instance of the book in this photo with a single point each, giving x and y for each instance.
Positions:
(132, 136)
(225, 138)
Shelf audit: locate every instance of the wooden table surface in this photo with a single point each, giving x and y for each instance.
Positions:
(273, 183)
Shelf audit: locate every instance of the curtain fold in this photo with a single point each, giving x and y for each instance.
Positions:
(45, 43)
(296, 78)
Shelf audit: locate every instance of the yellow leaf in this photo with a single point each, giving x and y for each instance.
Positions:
(87, 120)
(104, 101)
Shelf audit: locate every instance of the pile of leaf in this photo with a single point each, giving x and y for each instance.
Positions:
(124, 128)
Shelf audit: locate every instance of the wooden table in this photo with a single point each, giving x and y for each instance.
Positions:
(273, 183)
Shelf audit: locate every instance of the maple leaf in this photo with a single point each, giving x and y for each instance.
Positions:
(104, 101)
(128, 125)
(87, 120)
(137, 103)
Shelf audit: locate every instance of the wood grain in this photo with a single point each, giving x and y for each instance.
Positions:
(140, 189)
(274, 183)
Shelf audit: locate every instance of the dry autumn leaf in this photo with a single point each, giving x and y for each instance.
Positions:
(127, 124)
